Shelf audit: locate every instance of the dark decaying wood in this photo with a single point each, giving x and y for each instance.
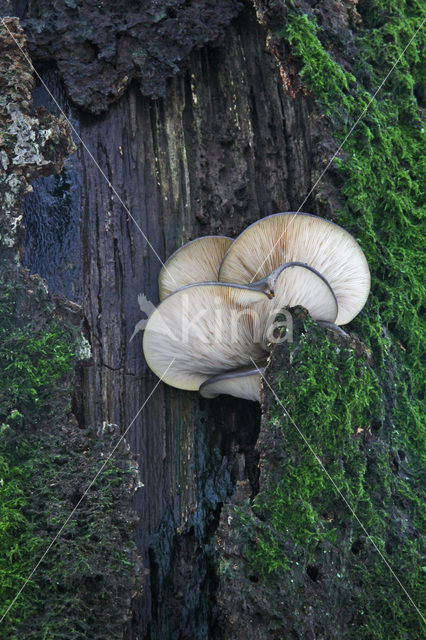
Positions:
(225, 146)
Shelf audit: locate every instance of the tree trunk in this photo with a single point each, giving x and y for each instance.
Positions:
(224, 146)
(189, 119)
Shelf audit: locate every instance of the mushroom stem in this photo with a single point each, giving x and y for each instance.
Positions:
(266, 284)
(333, 327)
(243, 382)
(290, 285)
(291, 237)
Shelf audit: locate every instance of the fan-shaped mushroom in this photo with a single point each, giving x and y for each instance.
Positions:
(207, 328)
(206, 334)
(197, 261)
(301, 237)
(241, 383)
(296, 284)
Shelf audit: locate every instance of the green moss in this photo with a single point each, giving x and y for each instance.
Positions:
(361, 412)
(335, 398)
(46, 463)
(338, 395)
(383, 192)
(31, 360)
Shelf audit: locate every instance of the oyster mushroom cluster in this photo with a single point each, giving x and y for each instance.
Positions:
(219, 299)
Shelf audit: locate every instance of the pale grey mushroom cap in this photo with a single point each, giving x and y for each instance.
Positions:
(202, 330)
(302, 237)
(197, 261)
(296, 284)
(241, 383)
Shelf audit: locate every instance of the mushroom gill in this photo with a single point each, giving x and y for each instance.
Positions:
(202, 330)
(197, 261)
(311, 240)
(296, 284)
(220, 299)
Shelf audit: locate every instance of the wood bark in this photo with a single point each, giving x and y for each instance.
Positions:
(230, 141)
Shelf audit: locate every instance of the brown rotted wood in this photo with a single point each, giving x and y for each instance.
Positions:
(226, 145)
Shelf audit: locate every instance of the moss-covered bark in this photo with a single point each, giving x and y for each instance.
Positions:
(221, 149)
(244, 133)
(339, 510)
(308, 567)
(47, 462)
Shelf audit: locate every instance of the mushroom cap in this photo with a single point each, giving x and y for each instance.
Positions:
(197, 261)
(205, 329)
(297, 284)
(241, 383)
(301, 237)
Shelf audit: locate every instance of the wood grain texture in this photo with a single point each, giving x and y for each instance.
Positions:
(225, 146)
